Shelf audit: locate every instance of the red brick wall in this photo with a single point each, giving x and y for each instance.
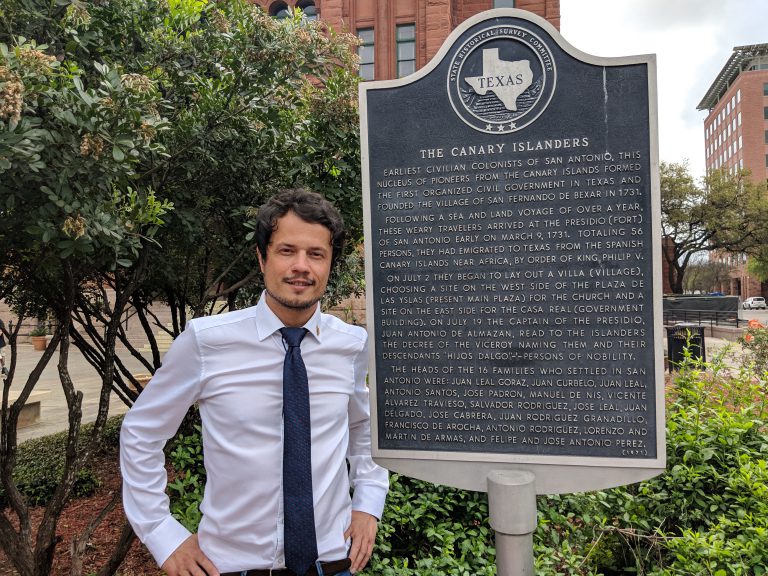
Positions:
(753, 121)
(752, 128)
(434, 19)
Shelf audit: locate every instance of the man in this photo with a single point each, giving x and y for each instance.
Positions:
(232, 365)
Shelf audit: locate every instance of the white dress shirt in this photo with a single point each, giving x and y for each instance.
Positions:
(232, 366)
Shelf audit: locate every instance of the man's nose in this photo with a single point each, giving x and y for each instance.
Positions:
(301, 261)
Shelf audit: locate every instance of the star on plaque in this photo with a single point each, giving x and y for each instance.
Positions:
(489, 127)
(512, 125)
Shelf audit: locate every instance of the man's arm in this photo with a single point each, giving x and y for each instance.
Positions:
(369, 481)
(155, 418)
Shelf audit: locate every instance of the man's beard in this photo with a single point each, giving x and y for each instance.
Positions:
(295, 304)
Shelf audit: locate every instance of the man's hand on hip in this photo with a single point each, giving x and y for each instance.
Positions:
(189, 560)
(362, 531)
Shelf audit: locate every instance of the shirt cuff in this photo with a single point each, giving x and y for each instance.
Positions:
(163, 540)
(372, 502)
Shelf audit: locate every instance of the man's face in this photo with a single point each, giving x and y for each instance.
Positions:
(296, 268)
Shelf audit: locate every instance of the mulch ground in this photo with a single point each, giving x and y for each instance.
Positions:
(79, 514)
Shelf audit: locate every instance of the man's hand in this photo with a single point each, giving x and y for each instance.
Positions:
(362, 531)
(189, 560)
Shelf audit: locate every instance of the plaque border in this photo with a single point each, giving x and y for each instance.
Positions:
(554, 474)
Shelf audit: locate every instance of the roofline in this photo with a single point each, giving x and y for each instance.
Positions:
(730, 71)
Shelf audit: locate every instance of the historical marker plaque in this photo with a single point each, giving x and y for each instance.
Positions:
(512, 238)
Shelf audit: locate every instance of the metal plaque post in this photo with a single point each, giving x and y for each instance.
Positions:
(512, 511)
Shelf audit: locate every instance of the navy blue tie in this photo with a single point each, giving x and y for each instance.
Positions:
(300, 538)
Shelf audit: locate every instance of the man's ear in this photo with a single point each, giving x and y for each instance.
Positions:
(261, 260)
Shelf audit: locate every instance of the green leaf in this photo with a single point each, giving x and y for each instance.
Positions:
(69, 117)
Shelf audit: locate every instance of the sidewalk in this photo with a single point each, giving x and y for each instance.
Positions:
(54, 412)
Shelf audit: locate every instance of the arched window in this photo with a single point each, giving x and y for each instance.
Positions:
(309, 9)
(279, 10)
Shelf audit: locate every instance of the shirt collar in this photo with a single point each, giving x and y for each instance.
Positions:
(267, 323)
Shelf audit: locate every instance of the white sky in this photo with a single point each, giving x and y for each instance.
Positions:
(692, 40)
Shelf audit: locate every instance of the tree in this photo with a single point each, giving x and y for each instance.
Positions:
(71, 212)
(758, 266)
(706, 276)
(724, 212)
(136, 140)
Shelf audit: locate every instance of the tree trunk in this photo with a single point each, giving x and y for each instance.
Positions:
(127, 536)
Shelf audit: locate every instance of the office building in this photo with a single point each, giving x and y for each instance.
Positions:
(736, 136)
(736, 128)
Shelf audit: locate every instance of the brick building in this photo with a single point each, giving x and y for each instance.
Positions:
(400, 36)
(736, 136)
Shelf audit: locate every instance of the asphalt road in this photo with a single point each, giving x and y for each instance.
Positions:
(761, 315)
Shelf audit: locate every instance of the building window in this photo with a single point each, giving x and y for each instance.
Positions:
(308, 9)
(503, 3)
(406, 50)
(765, 112)
(366, 53)
(765, 89)
(279, 10)
(766, 136)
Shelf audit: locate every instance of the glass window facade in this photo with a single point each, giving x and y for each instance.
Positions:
(366, 53)
(406, 49)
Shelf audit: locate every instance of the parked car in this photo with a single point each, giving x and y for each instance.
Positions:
(753, 303)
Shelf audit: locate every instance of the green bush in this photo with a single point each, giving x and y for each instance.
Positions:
(755, 343)
(40, 461)
(706, 514)
(432, 531)
(186, 489)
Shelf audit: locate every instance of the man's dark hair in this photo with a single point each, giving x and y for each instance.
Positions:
(310, 207)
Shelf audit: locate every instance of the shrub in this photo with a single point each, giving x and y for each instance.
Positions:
(40, 462)
(755, 343)
(433, 530)
(186, 490)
